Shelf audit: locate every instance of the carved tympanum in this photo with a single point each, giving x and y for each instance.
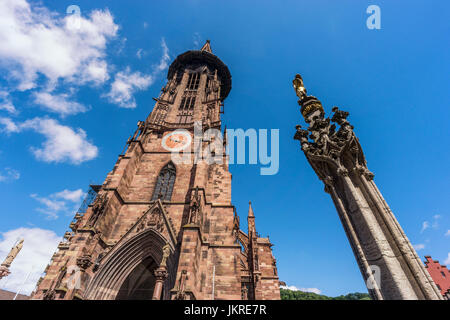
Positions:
(153, 220)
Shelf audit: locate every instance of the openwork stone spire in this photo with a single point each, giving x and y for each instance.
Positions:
(207, 47)
(388, 262)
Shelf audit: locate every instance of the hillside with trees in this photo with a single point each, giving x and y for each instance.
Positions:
(287, 294)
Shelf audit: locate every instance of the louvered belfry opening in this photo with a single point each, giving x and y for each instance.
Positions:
(193, 81)
(186, 107)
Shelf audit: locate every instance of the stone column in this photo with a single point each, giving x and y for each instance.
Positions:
(4, 267)
(161, 275)
(389, 264)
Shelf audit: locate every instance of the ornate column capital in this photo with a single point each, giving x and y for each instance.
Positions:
(364, 172)
(161, 273)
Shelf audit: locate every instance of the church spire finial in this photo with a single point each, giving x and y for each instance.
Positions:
(250, 209)
(251, 221)
(207, 47)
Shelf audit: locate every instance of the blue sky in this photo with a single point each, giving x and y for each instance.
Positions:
(70, 98)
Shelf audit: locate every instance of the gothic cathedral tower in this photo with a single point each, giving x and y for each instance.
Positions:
(162, 229)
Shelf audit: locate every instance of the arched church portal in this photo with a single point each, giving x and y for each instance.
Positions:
(140, 283)
(128, 271)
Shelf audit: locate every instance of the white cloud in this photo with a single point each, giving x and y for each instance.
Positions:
(165, 58)
(38, 248)
(139, 53)
(125, 85)
(74, 196)
(294, 288)
(436, 217)
(52, 206)
(419, 246)
(9, 174)
(197, 39)
(58, 103)
(37, 41)
(434, 224)
(9, 125)
(447, 261)
(62, 144)
(58, 202)
(6, 103)
(425, 226)
(447, 234)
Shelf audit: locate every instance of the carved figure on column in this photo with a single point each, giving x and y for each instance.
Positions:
(166, 253)
(161, 273)
(377, 240)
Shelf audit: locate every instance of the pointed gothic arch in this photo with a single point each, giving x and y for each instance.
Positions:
(143, 249)
(164, 182)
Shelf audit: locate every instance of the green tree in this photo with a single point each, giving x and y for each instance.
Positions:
(287, 294)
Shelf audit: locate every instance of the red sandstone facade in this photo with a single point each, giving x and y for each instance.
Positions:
(160, 230)
(440, 275)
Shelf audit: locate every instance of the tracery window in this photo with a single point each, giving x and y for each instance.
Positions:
(164, 183)
(193, 81)
(186, 109)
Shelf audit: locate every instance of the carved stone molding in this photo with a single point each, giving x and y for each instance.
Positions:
(98, 208)
(181, 290)
(153, 220)
(49, 295)
(84, 262)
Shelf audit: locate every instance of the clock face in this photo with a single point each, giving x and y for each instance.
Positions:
(176, 140)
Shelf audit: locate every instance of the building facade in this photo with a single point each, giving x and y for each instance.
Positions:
(440, 275)
(164, 229)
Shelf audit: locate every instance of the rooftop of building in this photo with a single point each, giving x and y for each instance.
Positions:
(9, 295)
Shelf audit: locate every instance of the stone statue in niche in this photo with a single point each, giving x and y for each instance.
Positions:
(98, 209)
